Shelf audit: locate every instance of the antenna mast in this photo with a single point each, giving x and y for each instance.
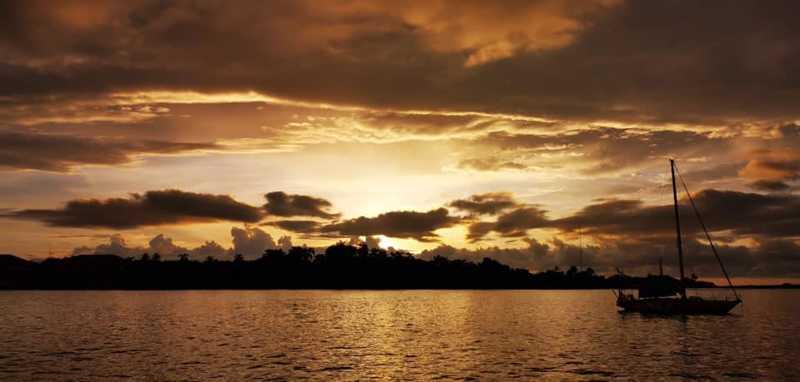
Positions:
(677, 226)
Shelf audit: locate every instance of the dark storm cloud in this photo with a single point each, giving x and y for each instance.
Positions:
(399, 224)
(485, 204)
(280, 203)
(50, 152)
(632, 60)
(148, 209)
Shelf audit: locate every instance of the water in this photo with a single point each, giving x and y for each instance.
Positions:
(387, 335)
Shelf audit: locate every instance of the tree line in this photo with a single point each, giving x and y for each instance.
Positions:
(340, 266)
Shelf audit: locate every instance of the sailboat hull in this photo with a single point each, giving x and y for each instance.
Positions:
(677, 306)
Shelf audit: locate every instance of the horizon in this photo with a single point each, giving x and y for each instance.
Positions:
(436, 128)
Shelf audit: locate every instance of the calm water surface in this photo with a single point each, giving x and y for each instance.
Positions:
(387, 335)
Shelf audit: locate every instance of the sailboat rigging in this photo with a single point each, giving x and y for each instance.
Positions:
(659, 298)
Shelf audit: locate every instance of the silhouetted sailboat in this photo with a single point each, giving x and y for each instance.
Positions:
(659, 297)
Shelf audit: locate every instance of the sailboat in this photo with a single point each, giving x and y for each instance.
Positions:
(665, 300)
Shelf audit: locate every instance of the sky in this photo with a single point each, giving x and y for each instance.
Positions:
(534, 132)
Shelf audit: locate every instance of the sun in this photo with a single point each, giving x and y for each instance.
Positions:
(386, 242)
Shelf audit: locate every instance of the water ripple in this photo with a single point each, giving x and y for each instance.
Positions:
(389, 335)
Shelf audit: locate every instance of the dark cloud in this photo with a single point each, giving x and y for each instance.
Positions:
(730, 214)
(478, 230)
(485, 204)
(633, 60)
(619, 217)
(298, 226)
(514, 223)
(50, 152)
(280, 203)
(399, 224)
(520, 220)
(148, 209)
(742, 213)
(770, 185)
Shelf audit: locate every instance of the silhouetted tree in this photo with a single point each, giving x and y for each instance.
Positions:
(572, 271)
(301, 255)
(339, 266)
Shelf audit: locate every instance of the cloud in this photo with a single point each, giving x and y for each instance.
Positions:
(280, 203)
(251, 242)
(148, 209)
(767, 258)
(599, 150)
(209, 249)
(730, 214)
(519, 220)
(770, 185)
(299, 226)
(773, 165)
(490, 164)
(774, 215)
(478, 230)
(51, 152)
(116, 246)
(485, 204)
(160, 244)
(585, 60)
(537, 256)
(514, 223)
(400, 224)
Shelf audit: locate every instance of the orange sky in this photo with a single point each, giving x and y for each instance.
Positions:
(513, 130)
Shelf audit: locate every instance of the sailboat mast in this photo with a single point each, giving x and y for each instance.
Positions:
(677, 226)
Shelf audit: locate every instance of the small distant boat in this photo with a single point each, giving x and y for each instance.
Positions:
(664, 298)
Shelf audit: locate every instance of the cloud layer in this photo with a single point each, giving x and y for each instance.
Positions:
(282, 204)
(51, 152)
(400, 224)
(149, 209)
(624, 60)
